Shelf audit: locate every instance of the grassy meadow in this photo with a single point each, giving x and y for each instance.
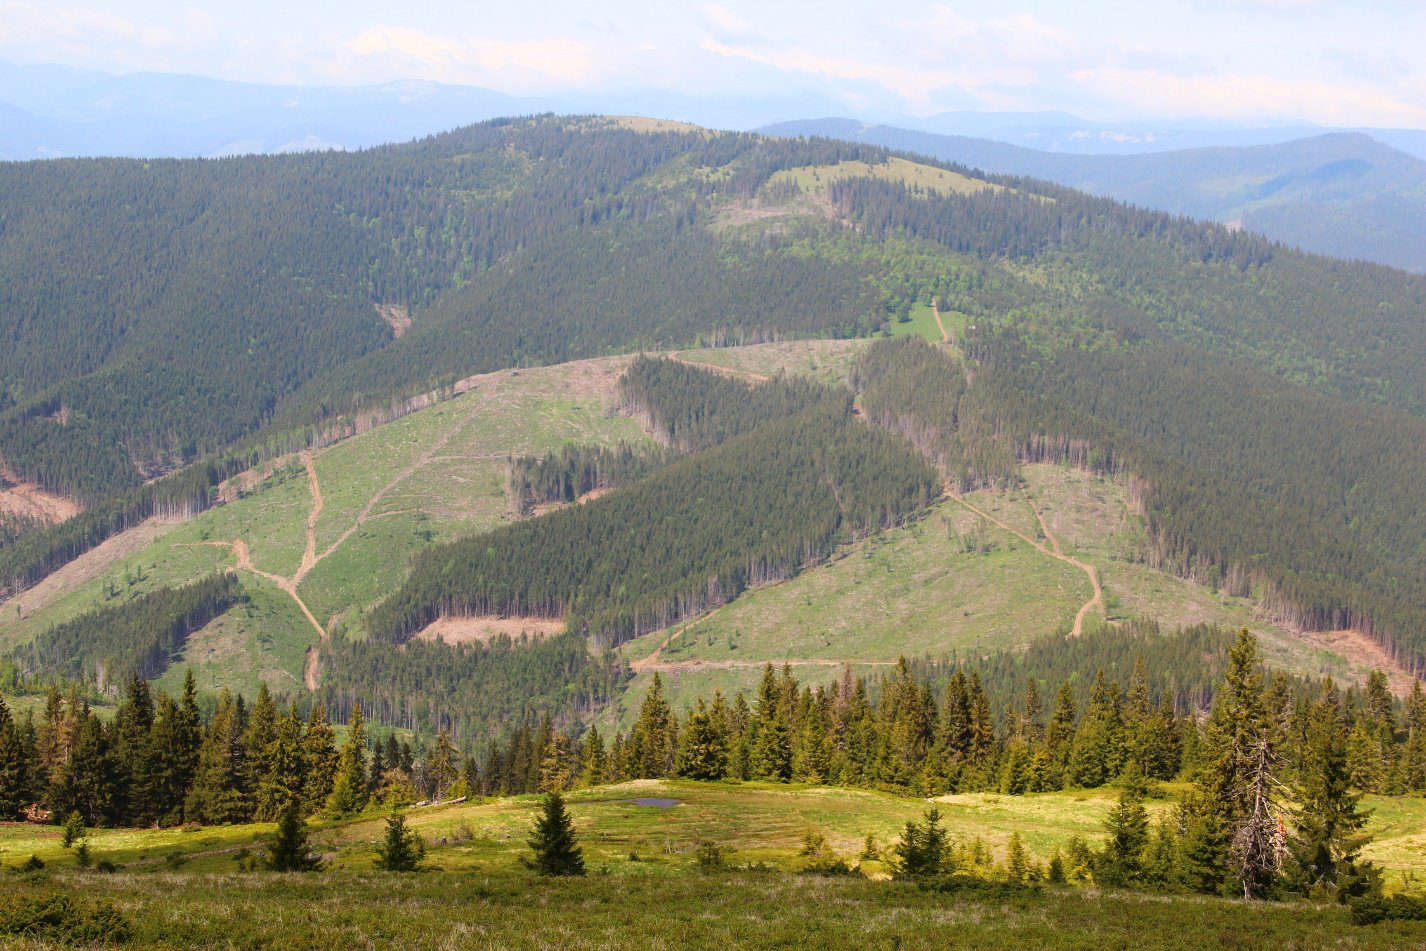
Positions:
(952, 581)
(814, 179)
(184, 888)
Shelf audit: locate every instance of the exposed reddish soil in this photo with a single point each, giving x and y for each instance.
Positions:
(481, 629)
(1361, 651)
(27, 500)
(398, 318)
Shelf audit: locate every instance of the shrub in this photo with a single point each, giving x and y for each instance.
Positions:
(64, 919)
(1376, 908)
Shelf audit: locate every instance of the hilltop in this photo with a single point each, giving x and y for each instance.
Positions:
(1344, 194)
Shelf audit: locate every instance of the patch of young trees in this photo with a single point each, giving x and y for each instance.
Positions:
(144, 635)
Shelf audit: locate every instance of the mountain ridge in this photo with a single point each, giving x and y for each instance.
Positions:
(1340, 193)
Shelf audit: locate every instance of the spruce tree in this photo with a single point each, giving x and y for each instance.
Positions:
(556, 848)
(1239, 822)
(654, 739)
(703, 750)
(349, 787)
(281, 775)
(217, 795)
(287, 850)
(1324, 850)
(923, 849)
(86, 780)
(442, 765)
(592, 760)
(73, 829)
(402, 849)
(14, 772)
(135, 772)
(1413, 753)
(1121, 862)
(319, 760)
(258, 768)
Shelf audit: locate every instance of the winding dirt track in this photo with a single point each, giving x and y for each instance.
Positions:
(1054, 552)
(936, 310)
(309, 555)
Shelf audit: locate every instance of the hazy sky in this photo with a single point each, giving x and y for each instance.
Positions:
(1328, 61)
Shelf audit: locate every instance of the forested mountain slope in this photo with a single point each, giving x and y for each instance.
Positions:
(1261, 407)
(1344, 194)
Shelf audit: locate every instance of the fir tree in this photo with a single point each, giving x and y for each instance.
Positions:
(1121, 862)
(556, 848)
(349, 787)
(1324, 850)
(319, 760)
(923, 849)
(287, 850)
(402, 849)
(14, 772)
(703, 750)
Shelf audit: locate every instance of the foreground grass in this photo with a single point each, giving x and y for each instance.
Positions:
(513, 909)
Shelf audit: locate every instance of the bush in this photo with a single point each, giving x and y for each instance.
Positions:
(829, 866)
(1376, 908)
(974, 887)
(710, 856)
(64, 919)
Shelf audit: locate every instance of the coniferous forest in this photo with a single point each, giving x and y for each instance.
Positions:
(541, 239)
(1264, 408)
(1277, 766)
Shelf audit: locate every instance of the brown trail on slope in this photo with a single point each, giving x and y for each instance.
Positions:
(1093, 573)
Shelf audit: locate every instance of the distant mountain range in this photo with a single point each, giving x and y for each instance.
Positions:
(1344, 194)
(1349, 193)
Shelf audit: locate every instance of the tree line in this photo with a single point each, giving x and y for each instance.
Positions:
(1276, 766)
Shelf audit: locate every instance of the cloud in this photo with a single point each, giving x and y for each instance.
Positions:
(1020, 38)
(912, 83)
(528, 63)
(1243, 96)
(723, 20)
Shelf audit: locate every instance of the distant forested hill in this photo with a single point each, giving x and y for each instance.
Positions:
(1344, 194)
(162, 312)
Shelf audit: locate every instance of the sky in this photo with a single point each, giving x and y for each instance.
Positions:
(1330, 62)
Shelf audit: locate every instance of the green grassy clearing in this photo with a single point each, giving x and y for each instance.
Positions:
(815, 178)
(476, 895)
(830, 361)
(922, 324)
(917, 590)
(756, 821)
